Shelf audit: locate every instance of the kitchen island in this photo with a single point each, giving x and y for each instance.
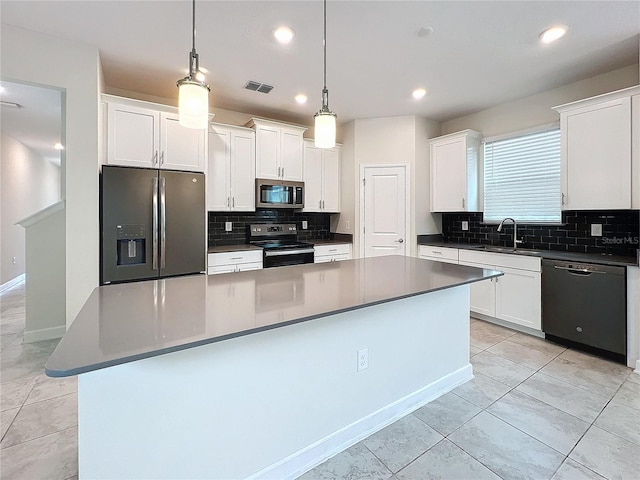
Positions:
(260, 374)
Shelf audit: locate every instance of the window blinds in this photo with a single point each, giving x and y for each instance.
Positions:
(522, 178)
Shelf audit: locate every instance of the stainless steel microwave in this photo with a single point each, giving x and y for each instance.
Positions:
(279, 194)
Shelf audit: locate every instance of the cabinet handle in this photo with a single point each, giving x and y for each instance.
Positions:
(563, 199)
(282, 172)
(323, 204)
(436, 252)
(463, 203)
(155, 158)
(233, 201)
(333, 249)
(228, 201)
(237, 258)
(320, 204)
(279, 172)
(162, 158)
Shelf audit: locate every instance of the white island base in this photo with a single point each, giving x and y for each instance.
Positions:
(276, 403)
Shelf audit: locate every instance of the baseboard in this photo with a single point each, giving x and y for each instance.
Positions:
(12, 283)
(637, 370)
(309, 457)
(43, 334)
(504, 323)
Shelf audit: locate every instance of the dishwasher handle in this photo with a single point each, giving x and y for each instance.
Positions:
(578, 271)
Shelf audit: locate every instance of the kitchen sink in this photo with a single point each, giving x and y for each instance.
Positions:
(518, 251)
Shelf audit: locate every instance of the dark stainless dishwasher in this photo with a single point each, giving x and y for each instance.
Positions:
(587, 304)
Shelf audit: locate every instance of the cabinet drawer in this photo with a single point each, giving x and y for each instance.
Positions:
(338, 249)
(443, 254)
(227, 258)
(518, 261)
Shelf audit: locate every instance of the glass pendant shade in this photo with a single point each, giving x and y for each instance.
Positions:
(193, 104)
(325, 129)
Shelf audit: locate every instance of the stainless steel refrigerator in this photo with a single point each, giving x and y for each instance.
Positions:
(152, 224)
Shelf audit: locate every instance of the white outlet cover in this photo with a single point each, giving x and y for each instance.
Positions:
(228, 226)
(363, 359)
(596, 229)
(465, 225)
(347, 225)
(305, 225)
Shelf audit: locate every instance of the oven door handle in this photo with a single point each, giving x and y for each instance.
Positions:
(288, 252)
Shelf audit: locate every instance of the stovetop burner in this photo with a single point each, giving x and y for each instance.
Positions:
(276, 236)
(281, 244)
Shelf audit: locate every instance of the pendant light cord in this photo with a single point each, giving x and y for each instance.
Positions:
(324, 44)
(193, 22)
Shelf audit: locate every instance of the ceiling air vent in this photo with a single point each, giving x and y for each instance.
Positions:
(258, 87)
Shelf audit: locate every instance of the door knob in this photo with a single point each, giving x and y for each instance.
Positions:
(399, 241)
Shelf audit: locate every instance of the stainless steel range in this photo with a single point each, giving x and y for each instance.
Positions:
(280, 244)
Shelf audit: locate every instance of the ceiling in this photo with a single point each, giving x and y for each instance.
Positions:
(38, 123)
(479, 54)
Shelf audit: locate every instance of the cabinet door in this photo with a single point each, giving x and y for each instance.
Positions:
(518, 297)
(312, 178)
(448, 176)
(221, 269)
(243, 173)
(267, 152)
(483, 294)
(246, 267)
(597, 156)
(132, 138)
(331, 180)
(291, 155)
(635, 152)
(181, 148)
(218, 195)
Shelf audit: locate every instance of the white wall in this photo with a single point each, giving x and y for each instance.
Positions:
(388, 140)
(536, 110)
(29, 183)
(33, 57)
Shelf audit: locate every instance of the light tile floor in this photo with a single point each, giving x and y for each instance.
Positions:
(534, 410)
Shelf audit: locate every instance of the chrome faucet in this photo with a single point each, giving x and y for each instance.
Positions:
(515, 231)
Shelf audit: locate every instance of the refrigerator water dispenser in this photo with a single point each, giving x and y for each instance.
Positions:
(131, 245)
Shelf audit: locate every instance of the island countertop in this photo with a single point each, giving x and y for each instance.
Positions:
(127, 322)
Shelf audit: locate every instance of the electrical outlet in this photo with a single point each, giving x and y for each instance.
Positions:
(596, 229)
(228, 226)
(465, 225)
(347, 225)
(305, 225)
(363, 359)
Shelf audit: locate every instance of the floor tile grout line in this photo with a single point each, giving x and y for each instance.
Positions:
(4, 450)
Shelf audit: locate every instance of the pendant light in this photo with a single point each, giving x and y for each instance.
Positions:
(325, 119)
(193, 92)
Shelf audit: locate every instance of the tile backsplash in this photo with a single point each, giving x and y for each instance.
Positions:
(318, 225)
(620, 232)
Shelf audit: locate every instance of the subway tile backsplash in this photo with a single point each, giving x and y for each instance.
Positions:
(620, 232)
(318, 225)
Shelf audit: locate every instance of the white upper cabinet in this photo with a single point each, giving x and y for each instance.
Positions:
(597, 152)
(278, 150)
(321, 178)
(231, 172)
(141, 136)
(454, 172)
(635, 151)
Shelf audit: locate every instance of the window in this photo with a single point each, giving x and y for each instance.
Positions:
(522, 178)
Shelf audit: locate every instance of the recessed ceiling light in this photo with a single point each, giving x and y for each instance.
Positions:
(552, 34)
(424, 31)
(301, 98)
(418, 93)
(284, 34)
(58, 146)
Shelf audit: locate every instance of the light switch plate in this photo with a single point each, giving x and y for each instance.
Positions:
(465, 225)
(305, 225)
(228, 226)
(596, 229)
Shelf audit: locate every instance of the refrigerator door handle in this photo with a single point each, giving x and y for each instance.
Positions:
(154, 208)
(163, 219)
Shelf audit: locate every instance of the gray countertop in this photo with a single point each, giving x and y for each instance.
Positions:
(127, 322)
(232, 248)
(614, 260)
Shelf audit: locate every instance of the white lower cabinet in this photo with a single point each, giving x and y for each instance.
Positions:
(514, 297)
(439, 254)
(229, 262)
(332, 253)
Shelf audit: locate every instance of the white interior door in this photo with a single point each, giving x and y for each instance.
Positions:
(385, 210)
